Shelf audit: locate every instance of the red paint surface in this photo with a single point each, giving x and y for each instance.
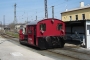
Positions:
(51, 28)
(21, 36)
(31, 35)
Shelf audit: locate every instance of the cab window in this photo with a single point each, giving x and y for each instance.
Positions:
(59, 26)
(43, 27)
(30, 29)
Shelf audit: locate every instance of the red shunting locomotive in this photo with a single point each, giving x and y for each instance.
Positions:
(47, 33)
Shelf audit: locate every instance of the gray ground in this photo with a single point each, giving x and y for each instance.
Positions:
(12, 50)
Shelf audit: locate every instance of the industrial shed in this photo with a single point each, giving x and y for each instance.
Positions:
(82, 27)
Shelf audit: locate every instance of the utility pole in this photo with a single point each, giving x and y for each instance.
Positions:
(66, 5)
(27, 17)
(36, 15)
(4, 21)
(52, 11)
(27, 20)
(46, 11)
(15, 19)
(1, 25)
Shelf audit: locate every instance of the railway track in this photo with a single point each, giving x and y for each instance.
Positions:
(72, 53)
(77, 50)
(7, 36)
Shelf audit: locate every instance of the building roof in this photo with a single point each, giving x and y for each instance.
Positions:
(75, 23)
(76, 9)
(20, 24)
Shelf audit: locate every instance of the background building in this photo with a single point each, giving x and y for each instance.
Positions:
(18, 26)
(82, 13)
(78, 20)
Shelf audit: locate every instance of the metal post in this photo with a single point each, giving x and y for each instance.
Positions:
(36, 15)
(1, 25)
(27, 17)
(52, 11)
(66, 5)
(46, 11)
(4, 21)
(15, 20)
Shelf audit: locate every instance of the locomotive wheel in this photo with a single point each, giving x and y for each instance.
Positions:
(42, 43)
(64, 38)
(43, 48)
(48, 42)
(61, 43)
(54, 42)
(20, 42)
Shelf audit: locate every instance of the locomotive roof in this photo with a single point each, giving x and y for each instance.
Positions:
(33, 22)
(36, 21)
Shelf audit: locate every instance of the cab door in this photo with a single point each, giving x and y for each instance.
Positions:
(31, 35)
(21, 36)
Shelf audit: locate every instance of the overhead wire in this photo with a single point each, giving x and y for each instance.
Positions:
(43, 10)
(53, 5)
(50, 7)
(74, 2)
(63, 10)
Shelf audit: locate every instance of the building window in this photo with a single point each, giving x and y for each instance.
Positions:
(76, 17)
(59, 26)
(70, 18)
(43, 27)
(64, 18)
(83, 16)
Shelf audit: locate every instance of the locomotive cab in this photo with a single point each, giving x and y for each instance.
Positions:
(50, 33)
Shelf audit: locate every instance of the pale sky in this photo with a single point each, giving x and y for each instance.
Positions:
(28, 8)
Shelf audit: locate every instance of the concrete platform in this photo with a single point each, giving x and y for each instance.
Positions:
(10, 51)
(14, 51)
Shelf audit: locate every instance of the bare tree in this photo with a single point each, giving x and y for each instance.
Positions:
(11, 26)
